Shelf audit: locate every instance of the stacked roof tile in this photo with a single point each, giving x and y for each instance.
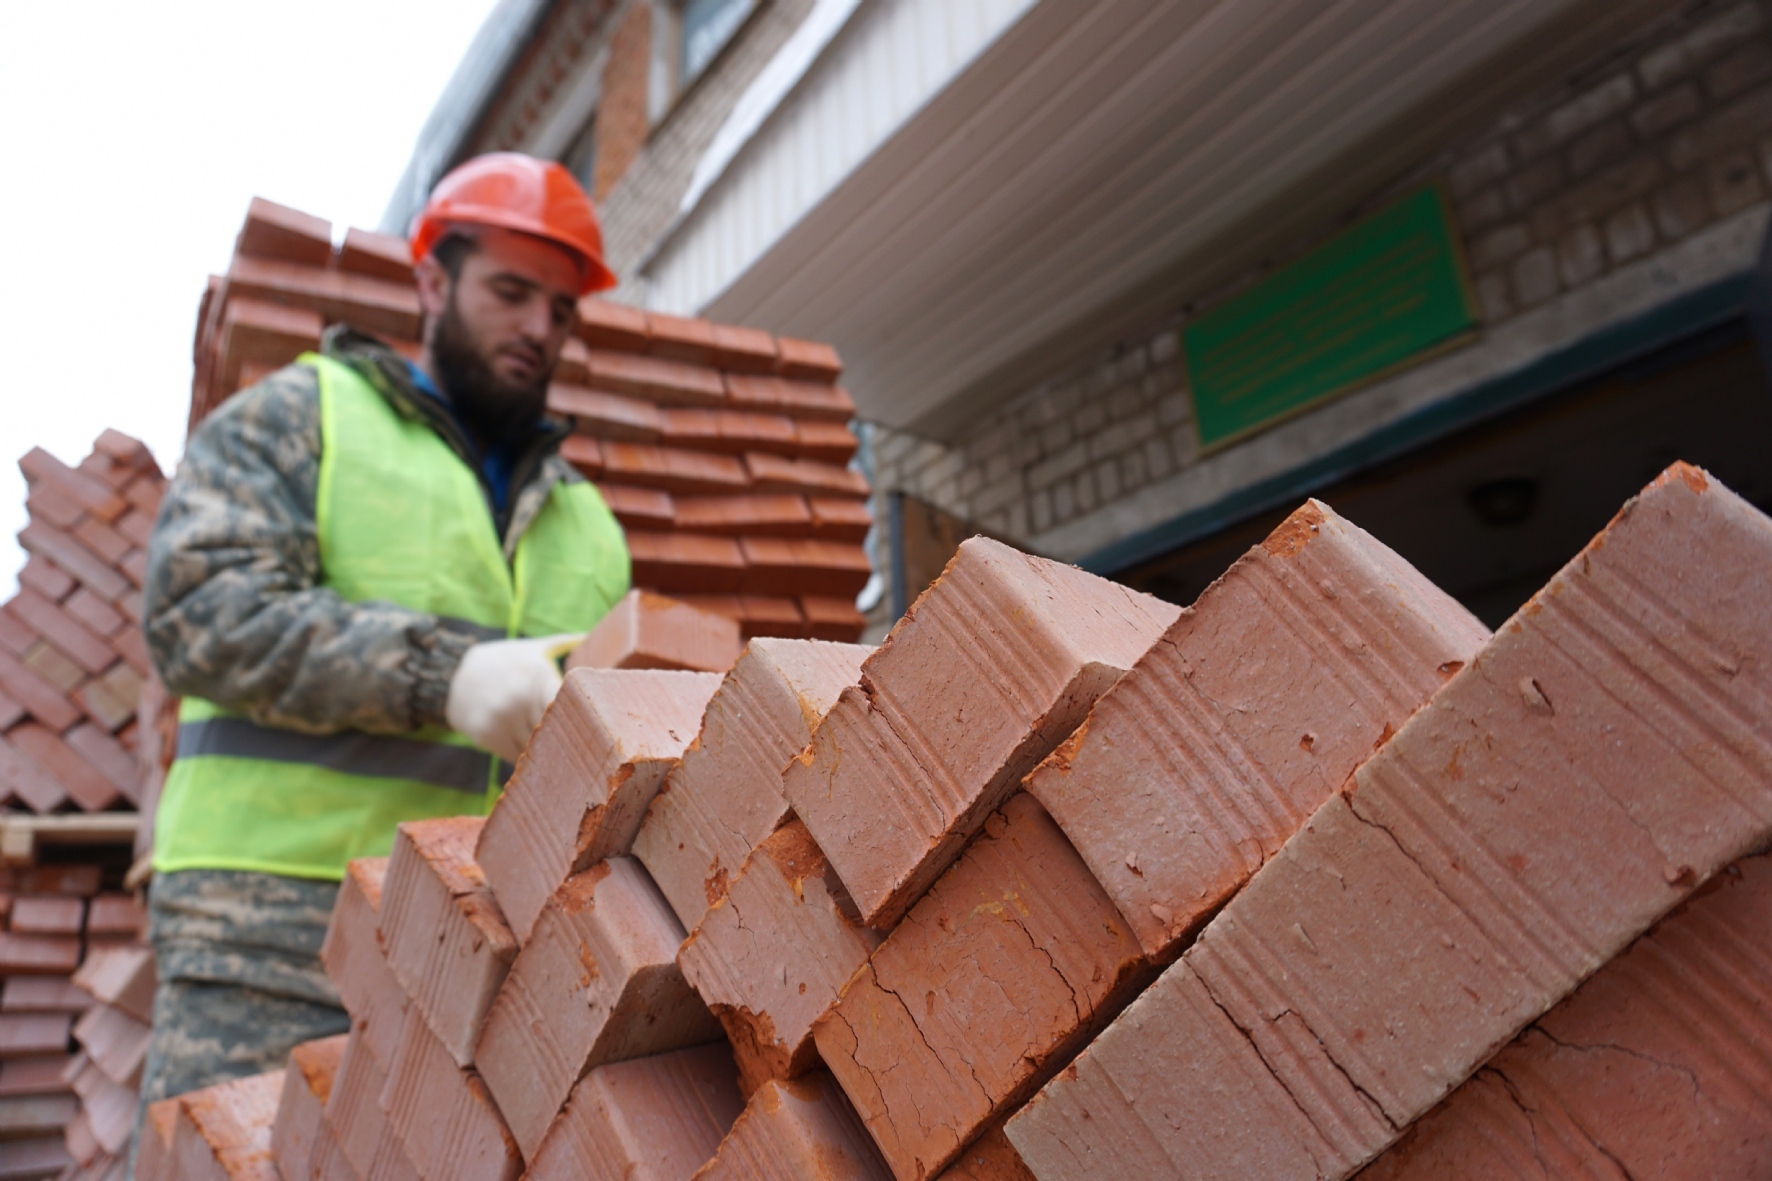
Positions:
(1062, 882)
(722, 450)
(72, 658)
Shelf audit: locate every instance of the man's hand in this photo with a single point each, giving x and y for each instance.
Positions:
(501, 688)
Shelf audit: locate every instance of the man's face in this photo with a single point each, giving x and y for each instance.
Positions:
(496, 331)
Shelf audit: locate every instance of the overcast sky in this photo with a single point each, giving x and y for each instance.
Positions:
(133, 136)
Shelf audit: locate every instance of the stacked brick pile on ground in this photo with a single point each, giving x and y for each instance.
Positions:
(722, 450)
(56, 916)
(72, 658)
(1064, 883)
(112, 1036)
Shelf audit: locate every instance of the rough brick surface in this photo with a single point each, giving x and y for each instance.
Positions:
(726, 794)
(442, 1113)
(1659, 1066)
(224, 1131)
(446, 940)
(365, 1137)
(1263, 697)
(1000, 973)
(597, 982)
(300, 1137)
(995, 665)
(802, 1128)
(1606, 752)
(645, 630)
(355, 963)
(771, 957)
(651, 1119)
(582, 786)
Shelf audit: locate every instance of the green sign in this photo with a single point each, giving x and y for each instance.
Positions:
(1385, 291)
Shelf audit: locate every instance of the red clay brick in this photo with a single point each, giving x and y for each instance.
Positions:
(995, 978)
(134, 565)
(583, 453)
(828, 442)
(276, 231)
(679, 339)
(446, 939)
(39, 1156)
(808, 360)
(571, 369)
(444, 1116)
(90, 494)
(86, 648)
(380, 256)
(101, 539)
(93, 611)
(1604, 754)
(51, 543)
(597, 981)
(372, 305)
(1658, 1066)
(771, 956)
(36, 1115)
(257, 335)
(25, 781)
(44, 577)
(609, 417)
(356, 964)
(912, 759)
(39, 955)
(48, 915)
(686, 562)
(83, 783)
(651, 1119)
(127, 452)
(43, 994)
(122, 977)
(110, 700)
(81, 880)
(108, 757)
(24, 1034)
(1257, 704)
(46, 660)
(744, 350)
(36, 693)
(774, 473)
(115, 914)
(756, 515)
(365, 1138)
(757, 615)
(15, 636)
(40, 1075)
(145, 492)
(669, 383)
(640, 508)
(604, 324)
(154, 1154)
(801, 1128)
(726, 795)
(300, 1136)
(645, 630)
(133, 649)
(672, 469)
(116, 1042)
(789, 565)
(989, 1158)
(49, 503)
(583, 785)
(109, 1109)
(135, 527)
(832, 618)
(223, 1133)
(730, 431)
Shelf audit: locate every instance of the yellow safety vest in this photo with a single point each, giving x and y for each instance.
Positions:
(401, 519)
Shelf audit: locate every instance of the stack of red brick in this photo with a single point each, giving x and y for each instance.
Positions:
(56, 1113)
(72, 660)
(1065, 882)
(722, 450)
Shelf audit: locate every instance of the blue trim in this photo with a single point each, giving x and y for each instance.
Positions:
(1589, 357)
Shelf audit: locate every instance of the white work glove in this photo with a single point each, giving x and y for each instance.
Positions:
(501, 688)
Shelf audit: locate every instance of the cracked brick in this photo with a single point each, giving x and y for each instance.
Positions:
(994, 979)
(802, 1127)
(989, 1158)
(1606, 752)
(583, 784)
(651, 1119)
(726, 795)
(597, 982)
(994, 665)
(771, 957)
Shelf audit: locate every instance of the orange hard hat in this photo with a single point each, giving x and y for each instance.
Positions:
(517, 192)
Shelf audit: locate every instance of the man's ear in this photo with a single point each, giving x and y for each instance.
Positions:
(433, 287)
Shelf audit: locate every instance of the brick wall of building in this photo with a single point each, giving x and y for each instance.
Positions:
(1669, 134)
(622, 120)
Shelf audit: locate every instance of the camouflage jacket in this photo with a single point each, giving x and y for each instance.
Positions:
(233, 606)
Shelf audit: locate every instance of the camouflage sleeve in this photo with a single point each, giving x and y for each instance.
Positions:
(232, 607)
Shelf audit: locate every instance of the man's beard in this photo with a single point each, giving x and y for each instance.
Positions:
(494, 411)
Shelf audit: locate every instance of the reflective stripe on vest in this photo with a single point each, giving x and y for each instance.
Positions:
(400, 518)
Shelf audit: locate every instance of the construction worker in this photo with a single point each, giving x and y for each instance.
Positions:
(359, 582)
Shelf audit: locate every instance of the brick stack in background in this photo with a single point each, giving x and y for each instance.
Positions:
(722, 450)
(118, 979)
(1063, 883)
